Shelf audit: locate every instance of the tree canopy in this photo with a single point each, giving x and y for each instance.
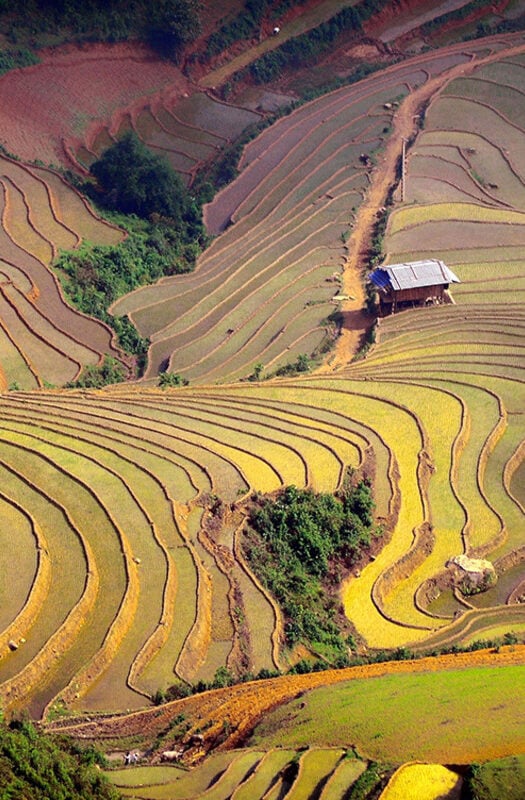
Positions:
(300, 538)
(34, 765)
(168, 24)
(164, 229)
(177, 24)
(136, 181)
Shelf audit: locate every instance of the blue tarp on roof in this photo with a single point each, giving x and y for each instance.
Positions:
(413, 274)
(380, 278)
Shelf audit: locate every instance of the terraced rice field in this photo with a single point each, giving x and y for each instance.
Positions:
(264, 290)
(187, 131)
(84, 89)
(44, 341)
(246, 774)
(127, 502)
(92, 96)
(137, 465)
(345, 708)
(469, 353)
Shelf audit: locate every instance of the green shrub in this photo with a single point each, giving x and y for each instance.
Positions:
(93, 277)
(36, 766)
(174, 25)
(303, 363)
(502, 779)
(368, 783)
(168, 24)
(243, 26)
(305, 49)
(452, 16)
(167, 379)
(295, 542)
(164, 229)
(13, 58)
(96, 376)
(135, 181)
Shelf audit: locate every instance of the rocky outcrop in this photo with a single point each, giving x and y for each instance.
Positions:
(472, 575)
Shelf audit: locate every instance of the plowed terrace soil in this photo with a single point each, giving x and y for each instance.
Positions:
(46, 108)
(51, 108)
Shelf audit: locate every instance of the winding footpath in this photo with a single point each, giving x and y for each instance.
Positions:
(384, 177)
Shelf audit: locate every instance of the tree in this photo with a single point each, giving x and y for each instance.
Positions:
(299, 539)
(257, 372)
(94, 376)
(135, 181)
(172, 379)
(178, 23)
(38, 766)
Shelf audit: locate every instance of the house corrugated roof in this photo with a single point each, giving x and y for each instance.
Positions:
(413, 274)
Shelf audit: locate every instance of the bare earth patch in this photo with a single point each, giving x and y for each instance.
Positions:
(49, 108)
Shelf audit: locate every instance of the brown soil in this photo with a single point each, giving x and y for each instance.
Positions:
(48, 110)
(494, 8)
(55, 105)
(242, 53)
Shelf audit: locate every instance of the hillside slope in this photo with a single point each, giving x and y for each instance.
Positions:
(124, 508)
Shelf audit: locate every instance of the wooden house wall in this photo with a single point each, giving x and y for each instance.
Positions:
(419, 293)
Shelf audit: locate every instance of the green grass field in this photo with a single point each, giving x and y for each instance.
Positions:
(503, 779)
(442, 717)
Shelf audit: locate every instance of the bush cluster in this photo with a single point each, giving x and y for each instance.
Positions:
(244, 25)
(453, 16)
(303, 363)
(223, 677)
(34, 765)
(98, 275)
(12, 58)
(95, 376)
(303, 50)
(368, 784)
(490, 28)
(165, 235)
(171, 379)
(167, 24)
(502, 779)
(134, 180)
(294, 542)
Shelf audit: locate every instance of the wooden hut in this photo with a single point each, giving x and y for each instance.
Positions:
(414, 283)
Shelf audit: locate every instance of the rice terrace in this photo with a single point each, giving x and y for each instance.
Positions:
(262, 455)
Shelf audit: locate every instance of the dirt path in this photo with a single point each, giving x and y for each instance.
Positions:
(405, 126)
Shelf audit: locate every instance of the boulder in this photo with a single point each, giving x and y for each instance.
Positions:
(473, 575)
